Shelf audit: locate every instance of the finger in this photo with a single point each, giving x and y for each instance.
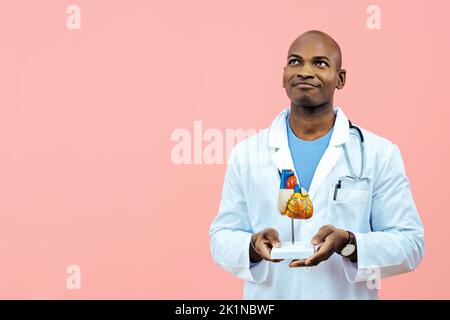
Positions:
(266, 252)
(268, 249)
(320, 236)
(273, 237)
(317, 248)
(264, 249)
(325, 251)
(297, 263)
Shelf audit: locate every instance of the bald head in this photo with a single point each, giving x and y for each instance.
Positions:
(322, 42)
(313, 70)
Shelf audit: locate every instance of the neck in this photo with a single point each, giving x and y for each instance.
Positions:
(310, 123)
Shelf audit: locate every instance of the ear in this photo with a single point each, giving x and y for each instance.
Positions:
(284, 86)
(342, 73)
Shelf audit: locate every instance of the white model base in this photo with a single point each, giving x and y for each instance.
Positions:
(298, 250)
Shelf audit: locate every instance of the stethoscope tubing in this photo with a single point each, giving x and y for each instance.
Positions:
(363, 154)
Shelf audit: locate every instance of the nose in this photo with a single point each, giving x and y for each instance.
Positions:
(305, 72)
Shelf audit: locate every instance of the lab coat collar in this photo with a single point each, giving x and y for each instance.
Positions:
(278, 130)
(282, 156)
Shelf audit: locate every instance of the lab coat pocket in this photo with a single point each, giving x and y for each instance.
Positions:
(349, 210)
(350, 195)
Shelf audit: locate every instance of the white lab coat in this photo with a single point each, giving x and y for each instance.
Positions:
(380, 212)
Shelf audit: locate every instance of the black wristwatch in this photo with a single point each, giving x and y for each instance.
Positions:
(350, 247)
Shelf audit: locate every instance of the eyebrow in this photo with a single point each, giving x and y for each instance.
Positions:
(315, 57)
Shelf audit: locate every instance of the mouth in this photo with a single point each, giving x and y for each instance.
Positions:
(304, 85)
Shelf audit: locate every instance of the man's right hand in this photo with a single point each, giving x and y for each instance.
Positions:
(263, 242)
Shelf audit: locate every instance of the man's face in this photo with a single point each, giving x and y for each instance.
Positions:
(311, 73)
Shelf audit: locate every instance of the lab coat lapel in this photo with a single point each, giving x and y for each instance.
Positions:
(282, 158)
(278, 140)
(332, 153)
(326, 164)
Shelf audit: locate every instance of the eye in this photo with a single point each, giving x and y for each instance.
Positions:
(322, 64)
(293, 61)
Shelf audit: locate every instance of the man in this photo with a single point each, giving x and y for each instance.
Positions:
(365, 229)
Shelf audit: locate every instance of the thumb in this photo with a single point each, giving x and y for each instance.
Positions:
(271, 234)
(321, 234)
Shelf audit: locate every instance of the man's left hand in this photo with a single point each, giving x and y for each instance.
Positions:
(330, 240)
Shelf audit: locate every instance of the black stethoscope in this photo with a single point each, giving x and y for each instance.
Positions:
(363, 155)
(352, 175)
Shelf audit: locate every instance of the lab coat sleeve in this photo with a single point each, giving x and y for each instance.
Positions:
(396, 242)
(230, 232)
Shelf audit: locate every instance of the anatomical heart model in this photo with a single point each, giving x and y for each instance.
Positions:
(294, 202)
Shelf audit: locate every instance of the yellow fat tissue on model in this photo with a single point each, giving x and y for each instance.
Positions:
(293, 200)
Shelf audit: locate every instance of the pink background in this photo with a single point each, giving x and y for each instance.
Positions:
(86, 117)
